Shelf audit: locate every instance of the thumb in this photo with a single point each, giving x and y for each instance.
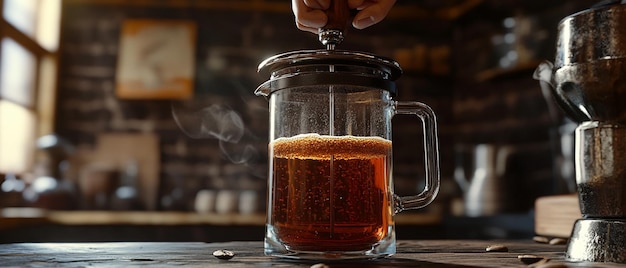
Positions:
(372, 14)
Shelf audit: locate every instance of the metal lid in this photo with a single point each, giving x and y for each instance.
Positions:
(328, 67)
(598, 33)
(330, 57)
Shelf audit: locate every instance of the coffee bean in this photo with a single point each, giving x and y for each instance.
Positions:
(319, 265)
(529, 259)
(223, 254)
(497, 248)
(558, 241)
(540, 239)
(140, 259)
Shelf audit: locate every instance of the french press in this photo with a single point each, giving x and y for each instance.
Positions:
(330, 151)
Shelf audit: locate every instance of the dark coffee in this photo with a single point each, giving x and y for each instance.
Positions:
(330, 193)
(601, 171)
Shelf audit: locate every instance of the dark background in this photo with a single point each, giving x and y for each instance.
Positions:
(451, 52)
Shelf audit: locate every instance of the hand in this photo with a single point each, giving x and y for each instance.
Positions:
(310, 14)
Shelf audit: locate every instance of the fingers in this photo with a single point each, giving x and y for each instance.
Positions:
(354, 4)
(311, 21)
(371, 12)
(309, 14)
(317, 4)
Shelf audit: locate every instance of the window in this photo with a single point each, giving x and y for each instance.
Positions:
(17, 82)
(29, 36)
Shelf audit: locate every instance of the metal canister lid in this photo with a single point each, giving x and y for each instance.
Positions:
(598, 33)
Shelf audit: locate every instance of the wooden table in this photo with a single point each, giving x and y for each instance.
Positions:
(427, 253)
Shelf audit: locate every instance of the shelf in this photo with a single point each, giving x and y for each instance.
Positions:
(495, 73)
(12, 217)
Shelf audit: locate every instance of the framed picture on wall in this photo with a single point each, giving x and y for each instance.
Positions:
(156, 59)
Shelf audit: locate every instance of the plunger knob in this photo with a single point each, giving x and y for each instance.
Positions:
(332, 34)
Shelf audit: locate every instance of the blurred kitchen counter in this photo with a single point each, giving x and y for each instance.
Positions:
(80, 217)
(38, 225)
(97, 217)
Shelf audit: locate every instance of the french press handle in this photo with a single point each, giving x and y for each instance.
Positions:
(431, 156)
(333, 32)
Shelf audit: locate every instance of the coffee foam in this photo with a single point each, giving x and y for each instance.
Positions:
(316, 146)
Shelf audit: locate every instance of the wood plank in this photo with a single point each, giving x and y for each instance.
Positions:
(555, 215)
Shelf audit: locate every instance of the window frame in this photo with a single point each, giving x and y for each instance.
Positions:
(46, 68)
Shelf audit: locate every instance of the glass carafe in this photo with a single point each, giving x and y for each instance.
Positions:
(330, 155)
